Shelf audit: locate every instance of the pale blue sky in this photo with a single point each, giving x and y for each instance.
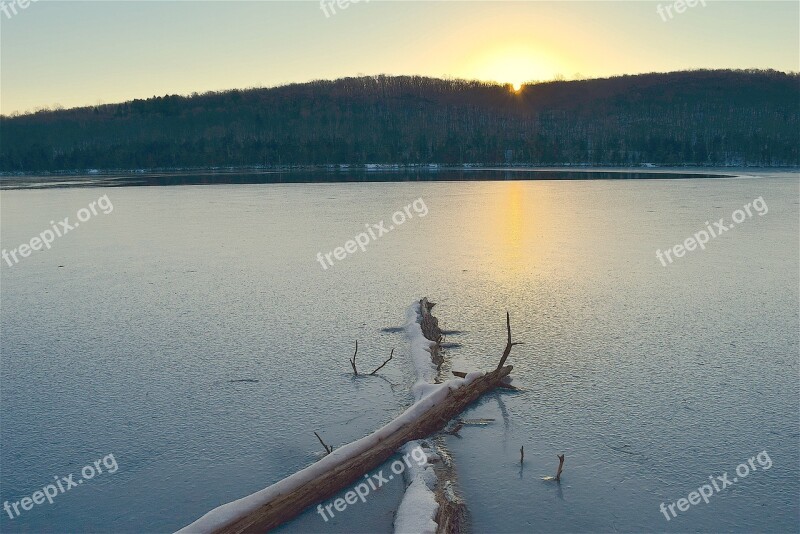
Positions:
(80, 53)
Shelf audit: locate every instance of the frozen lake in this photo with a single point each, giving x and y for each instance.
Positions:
(192, 332)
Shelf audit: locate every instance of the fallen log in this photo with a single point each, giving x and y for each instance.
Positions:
(344, 466)
(452, 515)
(504, 385)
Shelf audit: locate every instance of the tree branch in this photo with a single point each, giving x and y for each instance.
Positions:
(384, 363)
(509, 344)
(328, 450)
(353, 360)
(560, 466)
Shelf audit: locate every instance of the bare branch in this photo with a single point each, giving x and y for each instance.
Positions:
(507, 351)
(560, 466)
(353, 360)
(328, 450)
(384, 363)
(454, 431)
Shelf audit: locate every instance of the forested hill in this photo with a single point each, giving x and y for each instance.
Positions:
(696, 117)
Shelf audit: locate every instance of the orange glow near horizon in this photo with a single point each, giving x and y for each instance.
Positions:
(515, 64)
(268, 44)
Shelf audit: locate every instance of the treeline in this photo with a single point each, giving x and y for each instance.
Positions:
(695, 117)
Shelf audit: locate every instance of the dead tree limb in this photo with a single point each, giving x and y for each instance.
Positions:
(338, 470)
(384, 363)
(431, 414)
(509, 344)
(452, 516)
(560, 466)
(429, 324)
(286, 506)
(328, 450)
(454, 431)
(353, 360)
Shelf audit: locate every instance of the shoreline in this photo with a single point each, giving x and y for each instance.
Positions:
(322, 175)
(393, 167)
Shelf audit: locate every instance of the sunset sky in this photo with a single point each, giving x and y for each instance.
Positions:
(83, 53)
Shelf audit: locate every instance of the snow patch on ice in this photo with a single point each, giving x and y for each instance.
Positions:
(417, 511)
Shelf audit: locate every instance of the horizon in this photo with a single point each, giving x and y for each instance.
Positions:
(529, 83)
(141, 50)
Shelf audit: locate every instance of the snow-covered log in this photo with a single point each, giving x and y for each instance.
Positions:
(284, 500)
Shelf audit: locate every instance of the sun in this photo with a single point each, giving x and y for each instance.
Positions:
(513, 63)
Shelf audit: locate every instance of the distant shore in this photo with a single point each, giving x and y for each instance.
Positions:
(398, 167)
(326, 174)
